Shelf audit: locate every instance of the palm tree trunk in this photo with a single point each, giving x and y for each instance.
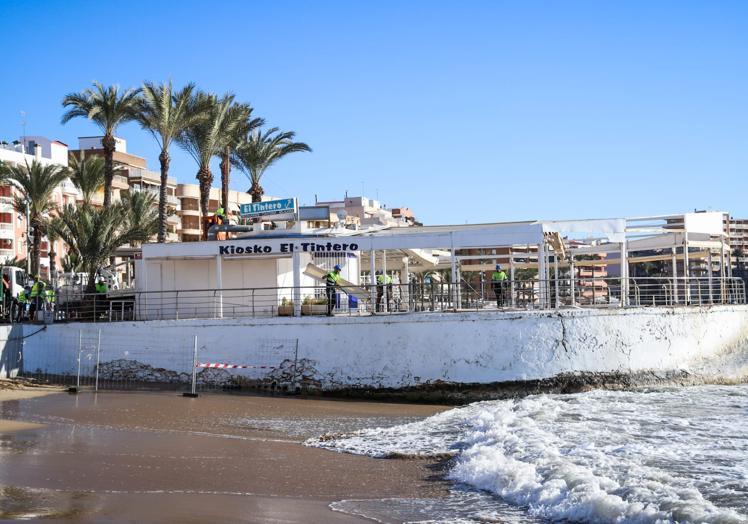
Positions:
(91, 285)
(108, 143)
(205, 179)
(52, 262)
(163, 158)
(36, 248)
(256, 191)
(225, 174)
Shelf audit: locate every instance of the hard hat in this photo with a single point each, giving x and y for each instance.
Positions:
(498, 267)
(337, 267)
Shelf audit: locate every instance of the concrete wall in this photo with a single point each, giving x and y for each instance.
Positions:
(407, 350)
(10, 350)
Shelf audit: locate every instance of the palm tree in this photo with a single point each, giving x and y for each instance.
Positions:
(94, 234)
(36, 184)
(108, 107)
(241, 115)
(141, 215)
(258, 151)
(52, 237)
(88, 175)
(71, 263)
(166, 114)
(206, 138)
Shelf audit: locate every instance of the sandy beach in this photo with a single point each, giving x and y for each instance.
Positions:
(159, 457)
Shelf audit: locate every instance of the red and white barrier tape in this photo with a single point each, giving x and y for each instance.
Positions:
(220, 365)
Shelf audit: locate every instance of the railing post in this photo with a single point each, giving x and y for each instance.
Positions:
(80, 351)
(709, 276)
(193, 389)
(555, 278)
(512, 286)
(98, 360)
(176, 305)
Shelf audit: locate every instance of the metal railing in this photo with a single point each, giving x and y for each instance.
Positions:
(597, 292)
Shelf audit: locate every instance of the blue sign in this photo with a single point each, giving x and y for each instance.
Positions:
(284, 206)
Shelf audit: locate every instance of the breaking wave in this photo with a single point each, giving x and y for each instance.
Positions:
(660, 455)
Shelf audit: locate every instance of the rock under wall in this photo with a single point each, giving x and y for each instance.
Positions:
(417, 350)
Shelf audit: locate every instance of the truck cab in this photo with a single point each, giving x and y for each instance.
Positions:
(17, 279)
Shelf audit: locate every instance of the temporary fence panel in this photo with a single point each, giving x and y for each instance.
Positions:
(93, 358)
(123, 364)
(264, 364)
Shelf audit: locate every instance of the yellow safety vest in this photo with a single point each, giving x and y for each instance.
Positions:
(498, 276)
(332, 277)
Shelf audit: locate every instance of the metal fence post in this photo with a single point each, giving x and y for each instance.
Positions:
(193, 391)
(78, 376)
(295, 364)
(98, 359)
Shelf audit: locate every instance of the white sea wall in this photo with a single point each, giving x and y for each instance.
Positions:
(10, 354)
(406, 350)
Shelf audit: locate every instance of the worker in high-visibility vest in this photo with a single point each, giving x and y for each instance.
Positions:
(101, 287)
(21, 302)
(219, 219)
(38, 294)
(498, 282)
(51, 298)
(381, 281)
(331, 282)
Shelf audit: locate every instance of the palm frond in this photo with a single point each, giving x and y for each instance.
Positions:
(88, 175)
(259, 150)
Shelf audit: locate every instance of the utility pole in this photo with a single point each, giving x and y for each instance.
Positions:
(28, 240)
(23, 127)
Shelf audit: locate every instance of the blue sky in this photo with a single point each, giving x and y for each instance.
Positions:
(463, 111)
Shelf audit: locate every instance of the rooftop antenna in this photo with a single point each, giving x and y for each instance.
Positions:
(23, 126)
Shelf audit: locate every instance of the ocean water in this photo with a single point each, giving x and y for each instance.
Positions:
(657, 455)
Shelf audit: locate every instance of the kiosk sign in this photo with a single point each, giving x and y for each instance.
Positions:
(283, 208)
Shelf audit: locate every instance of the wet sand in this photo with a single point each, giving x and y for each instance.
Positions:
(159, 457)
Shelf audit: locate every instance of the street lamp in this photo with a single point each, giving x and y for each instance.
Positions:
(29, 238)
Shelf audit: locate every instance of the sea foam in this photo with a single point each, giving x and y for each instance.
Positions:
(668, 455)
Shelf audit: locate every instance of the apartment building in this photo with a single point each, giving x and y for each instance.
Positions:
(13, 226)
(188, 212)
(737, 230)
(133, 175)
(365, 212)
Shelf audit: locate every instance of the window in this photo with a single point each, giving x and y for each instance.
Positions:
(6, 243)
(21, 278)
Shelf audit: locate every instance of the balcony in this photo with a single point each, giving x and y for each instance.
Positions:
(188, 230)
(154, 177)
(189, 212)
(173, 219)
(68, 188)
(6, 204)
(188, 191)
(7, 253)
(120, 182)
(7, 231)
(171, 200)
(172, 237)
